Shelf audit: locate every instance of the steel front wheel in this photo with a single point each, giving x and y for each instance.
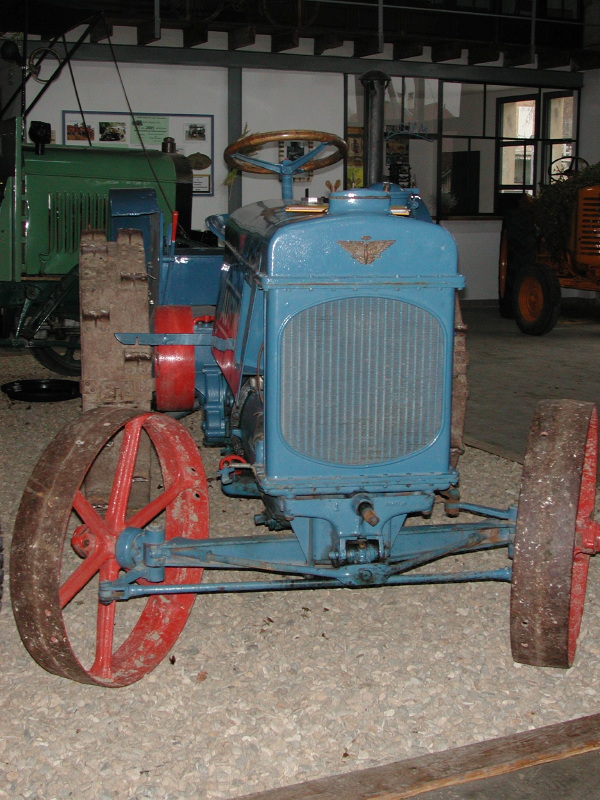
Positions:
(537, 299)
(65, 536)
(552, 537)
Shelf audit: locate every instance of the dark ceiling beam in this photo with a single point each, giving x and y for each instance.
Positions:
(129, 54)
(194, 33)
(147, 33)
(551, 58)
(518, 56)
(366, 46)
(445, 51)
(327, 41)
(586, 59)
(483, 53)
(241, 37)
(407, 48)
(103, 29)
(286, 40)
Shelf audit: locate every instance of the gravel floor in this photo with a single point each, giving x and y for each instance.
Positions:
(273, 689)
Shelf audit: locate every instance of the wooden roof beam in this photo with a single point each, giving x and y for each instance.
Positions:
(286, 40)
(551, 58)
(407, 48)
(103, 29)
(586, 59)
(482, 53)
(194, 33)
(241, 37)
(518, 56)
(147, 32)
(445, 51)
(327, 41)
(366, 46)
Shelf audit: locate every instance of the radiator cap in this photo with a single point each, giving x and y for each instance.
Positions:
(362, 201)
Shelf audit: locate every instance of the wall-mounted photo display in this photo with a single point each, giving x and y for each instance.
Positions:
(192, 135)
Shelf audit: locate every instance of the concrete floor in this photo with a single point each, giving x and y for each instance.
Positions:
(509, 372)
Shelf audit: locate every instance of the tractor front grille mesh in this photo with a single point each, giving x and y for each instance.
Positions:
(361, 380)
(589, 243)
(70, 213)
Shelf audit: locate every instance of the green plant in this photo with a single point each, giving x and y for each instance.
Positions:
(553, 208)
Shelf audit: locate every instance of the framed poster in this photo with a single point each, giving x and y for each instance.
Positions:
(193, 135)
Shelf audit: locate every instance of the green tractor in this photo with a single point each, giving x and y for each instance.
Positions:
(49, 194)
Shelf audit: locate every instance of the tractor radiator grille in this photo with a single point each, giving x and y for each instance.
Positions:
(69, 214)
(362, 380)
(589, 243)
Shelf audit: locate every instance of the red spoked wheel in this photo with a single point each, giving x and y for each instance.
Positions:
(555, 533)
(174, 367)
(64, 544)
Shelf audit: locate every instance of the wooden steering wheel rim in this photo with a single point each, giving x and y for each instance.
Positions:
(255, 140)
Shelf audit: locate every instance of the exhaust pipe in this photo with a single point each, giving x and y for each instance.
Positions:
(375, 83)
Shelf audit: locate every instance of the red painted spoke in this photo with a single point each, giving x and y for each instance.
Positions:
(81, 576)
(121, 488)
(105, 624)
(90, 517)
(145, 515)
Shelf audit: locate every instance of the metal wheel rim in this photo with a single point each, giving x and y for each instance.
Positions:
(40, 539)
(555, 506)
(531, 299)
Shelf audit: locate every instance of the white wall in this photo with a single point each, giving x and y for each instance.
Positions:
(152, 89)
(589, 141)
(286, 101)
(478, 243)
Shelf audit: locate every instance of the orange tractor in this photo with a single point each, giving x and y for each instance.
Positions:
(550, 242)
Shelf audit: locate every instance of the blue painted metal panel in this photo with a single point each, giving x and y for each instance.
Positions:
(191, 277)
(139, 209)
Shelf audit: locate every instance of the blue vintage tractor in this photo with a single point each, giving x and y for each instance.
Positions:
(326, 376)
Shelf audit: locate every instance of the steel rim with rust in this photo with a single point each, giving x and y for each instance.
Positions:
(554, 534)
(63, 545)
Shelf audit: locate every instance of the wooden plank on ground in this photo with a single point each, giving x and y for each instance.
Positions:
(403, 779)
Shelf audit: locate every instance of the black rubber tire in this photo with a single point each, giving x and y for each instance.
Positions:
(536, 300)
(519, 240)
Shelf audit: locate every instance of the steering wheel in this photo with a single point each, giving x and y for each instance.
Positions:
(237, 159)
(565, 167)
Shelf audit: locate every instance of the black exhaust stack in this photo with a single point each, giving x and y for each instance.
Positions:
(375, 83)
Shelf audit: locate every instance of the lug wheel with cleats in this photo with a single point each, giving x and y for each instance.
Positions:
(65, 538)
(555, 533)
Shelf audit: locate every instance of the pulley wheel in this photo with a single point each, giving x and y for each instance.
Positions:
(63, 546)
(174, 370)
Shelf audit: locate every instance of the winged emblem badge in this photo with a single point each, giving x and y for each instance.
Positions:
(366, 250)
